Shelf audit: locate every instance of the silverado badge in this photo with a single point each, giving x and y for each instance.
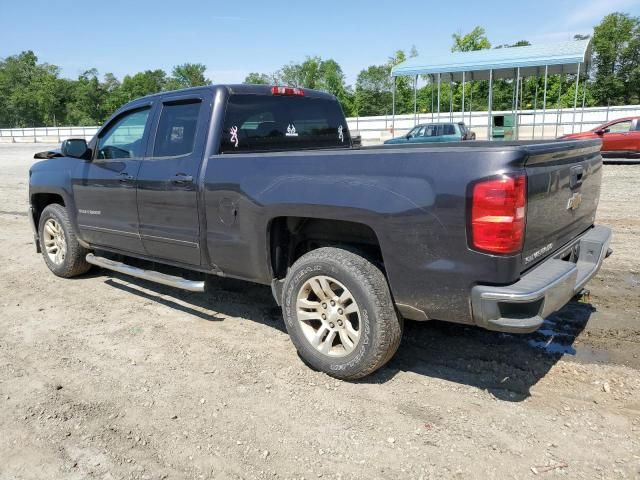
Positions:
(575, 201)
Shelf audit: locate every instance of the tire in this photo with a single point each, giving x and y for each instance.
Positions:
(72, 260)
(366, 335)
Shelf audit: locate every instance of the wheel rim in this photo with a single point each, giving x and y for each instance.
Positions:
(54, 241)
(329, 316)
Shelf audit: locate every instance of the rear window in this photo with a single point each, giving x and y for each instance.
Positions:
(259, 123)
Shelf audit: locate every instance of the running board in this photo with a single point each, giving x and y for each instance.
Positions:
(151, 275)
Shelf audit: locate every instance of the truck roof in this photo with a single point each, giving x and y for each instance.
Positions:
(239, 88)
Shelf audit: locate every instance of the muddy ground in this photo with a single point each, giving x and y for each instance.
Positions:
(110, 377)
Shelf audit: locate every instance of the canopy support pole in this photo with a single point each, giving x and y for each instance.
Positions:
(438, 97)
(558, 108)
(575, 99)
(535, 106)
(451, 97)
(584, 99)
(432, 108)
(544, 98)
(516, 103)
(470, 97)
(490, 105)
(513, 94)
(393, 107)
(463, 96)
(415, 100)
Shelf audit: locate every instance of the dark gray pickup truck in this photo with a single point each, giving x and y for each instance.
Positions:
(265, 184)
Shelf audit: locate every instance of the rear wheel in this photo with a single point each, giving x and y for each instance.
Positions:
(339, 313)
(61, 250)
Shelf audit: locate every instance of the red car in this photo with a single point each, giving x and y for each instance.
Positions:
(620, 137)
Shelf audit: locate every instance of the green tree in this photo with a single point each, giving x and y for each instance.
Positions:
(187, 75)
(29, 91)
(474, 40)
(332, 80)
(143, 83)
(616, 46)
(373, 91)
(86, 102)
(306, 74)
(255, 78)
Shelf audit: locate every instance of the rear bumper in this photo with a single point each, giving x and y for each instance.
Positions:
(523, 306)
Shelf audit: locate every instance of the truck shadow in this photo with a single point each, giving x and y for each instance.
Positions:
(505, 365)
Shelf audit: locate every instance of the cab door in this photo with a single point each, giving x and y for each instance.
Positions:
(616, 138)
(105, 188)
(168, 179)
(634, 136)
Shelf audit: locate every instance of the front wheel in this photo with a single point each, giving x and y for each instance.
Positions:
(61, 250)
(339, 313)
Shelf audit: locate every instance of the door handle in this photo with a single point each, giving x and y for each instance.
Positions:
(125, 177)
(181, 179)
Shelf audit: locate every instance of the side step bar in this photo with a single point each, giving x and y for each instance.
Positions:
(151, 275)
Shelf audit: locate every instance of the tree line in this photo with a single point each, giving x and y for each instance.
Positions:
(35, 94)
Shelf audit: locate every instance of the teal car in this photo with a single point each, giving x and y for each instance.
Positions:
(435, 132)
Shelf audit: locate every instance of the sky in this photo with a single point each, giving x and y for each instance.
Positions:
(233, 38)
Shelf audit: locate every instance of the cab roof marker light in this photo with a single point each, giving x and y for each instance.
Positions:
(291, 91)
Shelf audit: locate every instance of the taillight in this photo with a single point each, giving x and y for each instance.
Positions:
(275, 90)
(498, 214)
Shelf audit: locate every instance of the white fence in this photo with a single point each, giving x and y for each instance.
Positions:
(45, 134)
(531, 125)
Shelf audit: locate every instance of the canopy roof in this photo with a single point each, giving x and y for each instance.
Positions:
(561, 57)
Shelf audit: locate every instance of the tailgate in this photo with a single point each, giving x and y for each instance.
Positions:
(563, 189)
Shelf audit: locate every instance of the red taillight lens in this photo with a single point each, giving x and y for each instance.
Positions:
(287, 91)
(498, 214)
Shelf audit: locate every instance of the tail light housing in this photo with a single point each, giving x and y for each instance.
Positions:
(498, 214)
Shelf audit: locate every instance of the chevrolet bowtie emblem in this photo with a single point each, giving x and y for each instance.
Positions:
(575, 201)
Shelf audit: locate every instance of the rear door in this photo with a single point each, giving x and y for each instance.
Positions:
(168, 178)
(634, 136)
(617, 138)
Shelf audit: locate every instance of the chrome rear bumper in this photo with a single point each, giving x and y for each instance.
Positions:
(523, 306)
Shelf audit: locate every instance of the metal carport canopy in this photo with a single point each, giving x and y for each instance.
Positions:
(559, 57)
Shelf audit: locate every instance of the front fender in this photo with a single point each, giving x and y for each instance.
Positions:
(54, 177)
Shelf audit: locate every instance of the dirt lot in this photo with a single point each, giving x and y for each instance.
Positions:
(110, 377)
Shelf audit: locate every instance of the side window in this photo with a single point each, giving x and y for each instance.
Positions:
(123, 139)
(417, 132)
(176, 133)
(449, 129)
(430, 131)
(620, 127)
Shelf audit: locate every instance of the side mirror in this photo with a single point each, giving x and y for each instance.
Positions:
(602, 131)
(75, 147)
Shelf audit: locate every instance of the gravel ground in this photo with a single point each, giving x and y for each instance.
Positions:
(110, 377)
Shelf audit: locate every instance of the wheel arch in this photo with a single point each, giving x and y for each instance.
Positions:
(290, 237)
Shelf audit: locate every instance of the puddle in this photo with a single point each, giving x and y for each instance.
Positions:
(583, 353)
(558, 334)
